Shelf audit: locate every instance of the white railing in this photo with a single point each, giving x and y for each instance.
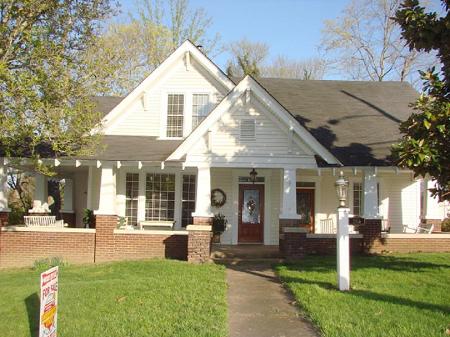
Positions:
(327, 226)
(42, 221)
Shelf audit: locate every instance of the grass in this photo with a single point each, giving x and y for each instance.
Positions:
(391, 296)
(145, 298)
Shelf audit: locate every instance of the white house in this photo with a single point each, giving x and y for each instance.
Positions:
(188, 129)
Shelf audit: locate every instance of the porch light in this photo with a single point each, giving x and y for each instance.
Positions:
(341, 189)
(253, 175)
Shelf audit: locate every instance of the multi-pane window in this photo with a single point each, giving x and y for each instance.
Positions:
(160, 197)
(175, 109)
(131, 198)
(357, 198)
(187, 199)
(200, 108)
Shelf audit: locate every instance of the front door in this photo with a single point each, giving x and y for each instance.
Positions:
(305, 208)
(251, 213)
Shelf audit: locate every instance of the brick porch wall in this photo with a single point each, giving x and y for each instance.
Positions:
(20, 249)
(3, 218)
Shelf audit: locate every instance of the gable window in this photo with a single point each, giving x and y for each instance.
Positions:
(248, 130)
(188, 199)
(160, 197)
(175, 111)
(200, 108)
(131, 198)
(357, 199)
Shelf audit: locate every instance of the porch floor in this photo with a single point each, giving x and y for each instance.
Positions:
(244, 252)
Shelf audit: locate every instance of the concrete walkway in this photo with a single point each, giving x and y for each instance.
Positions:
(259, 306)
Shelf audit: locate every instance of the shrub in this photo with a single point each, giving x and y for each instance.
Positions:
(44, 264)
(445, 226)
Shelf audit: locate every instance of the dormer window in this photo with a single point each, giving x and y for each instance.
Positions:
(200, 108)
(175, 112)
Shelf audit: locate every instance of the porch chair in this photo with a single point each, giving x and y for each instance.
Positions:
(327, 226)
(419, 229)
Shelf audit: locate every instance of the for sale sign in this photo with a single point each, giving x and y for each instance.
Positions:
(49, 303)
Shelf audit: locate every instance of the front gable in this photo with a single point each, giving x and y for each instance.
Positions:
(186, 72)
(250, 127)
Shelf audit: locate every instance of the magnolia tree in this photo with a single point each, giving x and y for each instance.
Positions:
(425, 146)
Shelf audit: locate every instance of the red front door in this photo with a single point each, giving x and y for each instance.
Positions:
(251, 214)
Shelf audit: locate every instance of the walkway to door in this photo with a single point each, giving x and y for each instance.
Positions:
(259, 306)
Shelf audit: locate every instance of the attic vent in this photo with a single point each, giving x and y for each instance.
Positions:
(248, 129)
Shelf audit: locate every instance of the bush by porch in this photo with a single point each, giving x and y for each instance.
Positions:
(146, 298)
(396, 295)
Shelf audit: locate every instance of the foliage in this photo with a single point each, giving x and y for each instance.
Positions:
(445, 225)
(283, 67)
(122, 222)
(390, 296)
(128, 52)
(44, 264)
(88, 218)
(20, 196)
(366, 44)
(139, 299)
(424, 147)
(247, 58)
(44, 102)
(219, 223)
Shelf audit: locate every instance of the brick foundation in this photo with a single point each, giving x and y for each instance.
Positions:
(199, 244)
(4, 218)
(371, 230)
(104, 237)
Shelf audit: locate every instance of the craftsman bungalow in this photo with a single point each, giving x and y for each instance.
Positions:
(269, 150)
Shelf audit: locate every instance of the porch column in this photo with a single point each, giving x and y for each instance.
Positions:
(107, 195)
(203, 214)
(89, 188)
(370, 185)
(289, 195)
(67, 210)
(40, 188)
(4, 210)
(106, 215)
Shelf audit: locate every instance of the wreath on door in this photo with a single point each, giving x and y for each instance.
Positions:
(218, 197)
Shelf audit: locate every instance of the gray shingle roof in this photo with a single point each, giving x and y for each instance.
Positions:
(356, 121)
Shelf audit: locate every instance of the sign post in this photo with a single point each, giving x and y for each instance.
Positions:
(49, 303)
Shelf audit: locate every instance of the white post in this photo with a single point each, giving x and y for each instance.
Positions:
(343, 250)
(3, 189)
(289, 195)
(40, 188)
(370, 201)
(68, 196)
(107, 202)
(203, 202)
(89, 187)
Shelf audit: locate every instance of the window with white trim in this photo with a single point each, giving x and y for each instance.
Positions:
(188, 199)
(357, 198)
(160, 197)
(175, 115)
(200, 108)
(131, 198)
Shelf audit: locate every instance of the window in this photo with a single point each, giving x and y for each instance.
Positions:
(175, 110)
(200, 108)
(131, 198)
(160, 197)
(357, 199)
(248, 129)
(188, 199)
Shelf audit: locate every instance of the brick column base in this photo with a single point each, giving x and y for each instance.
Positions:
(104, 237)
(4, 216)
(199, 243)
(202, 220)
(436, 222)
(371, 230)
(293, 242)
(285, 223)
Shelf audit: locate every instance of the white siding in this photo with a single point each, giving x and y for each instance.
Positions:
(139, 122)
(223, 179)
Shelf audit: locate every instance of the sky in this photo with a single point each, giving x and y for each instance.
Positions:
(290, 27)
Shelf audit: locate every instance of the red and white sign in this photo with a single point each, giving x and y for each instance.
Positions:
(49, 303)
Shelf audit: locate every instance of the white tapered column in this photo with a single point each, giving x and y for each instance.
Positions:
(289, 195)
(107, 202)
(203, 202)
(40, 188)
(343, 250)
(370, 194)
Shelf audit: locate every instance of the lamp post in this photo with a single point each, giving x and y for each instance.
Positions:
(253, 175)
(342, 237)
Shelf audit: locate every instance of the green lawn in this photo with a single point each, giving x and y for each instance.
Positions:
(400, 295)
(147, 298)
